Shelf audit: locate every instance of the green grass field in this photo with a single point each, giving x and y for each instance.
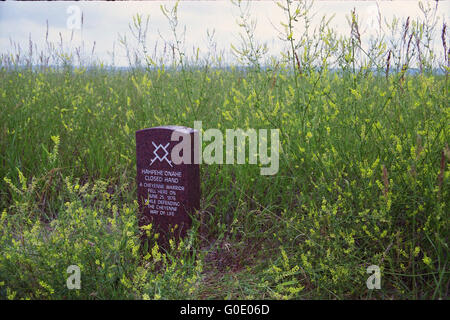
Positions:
(363, 180)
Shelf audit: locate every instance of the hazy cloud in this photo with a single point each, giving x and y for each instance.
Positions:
(103, 21)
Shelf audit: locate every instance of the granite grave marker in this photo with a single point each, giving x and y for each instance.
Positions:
(167, 192)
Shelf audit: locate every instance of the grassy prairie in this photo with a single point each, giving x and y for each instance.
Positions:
(363, 180)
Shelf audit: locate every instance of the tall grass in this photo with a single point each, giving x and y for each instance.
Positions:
(363, 176)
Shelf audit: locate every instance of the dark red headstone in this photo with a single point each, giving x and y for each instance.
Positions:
(167, 192)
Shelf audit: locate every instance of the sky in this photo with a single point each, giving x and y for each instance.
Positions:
(103, 22)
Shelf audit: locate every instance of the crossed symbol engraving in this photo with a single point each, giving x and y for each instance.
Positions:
(164, 157)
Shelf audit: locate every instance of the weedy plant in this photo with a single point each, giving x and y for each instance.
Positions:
(363, 176)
